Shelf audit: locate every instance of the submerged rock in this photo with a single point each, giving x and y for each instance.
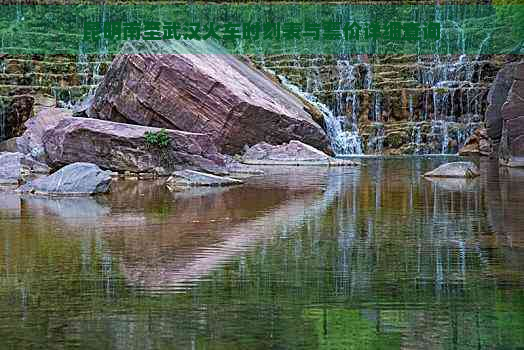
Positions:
(123, 147)
(292, 153)
(216, 94)
(73, 179)
(195, 178)
(16, 167)
(455, 169)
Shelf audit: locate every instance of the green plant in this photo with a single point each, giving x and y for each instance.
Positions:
(158, 139)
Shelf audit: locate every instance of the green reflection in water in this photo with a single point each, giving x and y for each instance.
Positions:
(377, 258)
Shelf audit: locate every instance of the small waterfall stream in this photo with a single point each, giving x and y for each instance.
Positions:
(342, 142)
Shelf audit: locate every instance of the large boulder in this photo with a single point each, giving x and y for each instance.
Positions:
(512, 142)
(455, 170)
(215, 94)
(497, 96)
(292, 153)
(123, 147)
(16, 168)
(30, 142)
(74, 179)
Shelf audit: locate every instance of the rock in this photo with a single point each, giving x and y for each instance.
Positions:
(122, 147)
(14, 113)
(30, 142)
(195, 178)
(215, 94)
(455, 169)
(234, 166)
(292, 153)
(81, 109)
(477, 144)
(74, 179)
(511, 151)
(15, 168)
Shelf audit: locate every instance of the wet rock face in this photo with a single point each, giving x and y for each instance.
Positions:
(73, 179)
(497, 96)
(123, 147)
(215, 94)
(455, 170)
(512, 112)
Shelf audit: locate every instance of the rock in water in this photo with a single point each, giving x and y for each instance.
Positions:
(74, 179)
(215, 94)
(455, 169)
(195, 178)
(123, 147)
(292, 153)
(17, 167)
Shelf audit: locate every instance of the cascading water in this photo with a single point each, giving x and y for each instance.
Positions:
(342, 142)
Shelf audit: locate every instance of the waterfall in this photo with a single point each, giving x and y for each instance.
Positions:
(342, 142)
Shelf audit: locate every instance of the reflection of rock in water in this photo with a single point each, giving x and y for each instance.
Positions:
(504, 192)
(71, 211)
(9, 204)
(455, 185)
(178, 264)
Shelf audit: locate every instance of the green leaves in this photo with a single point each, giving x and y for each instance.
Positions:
(157, 139)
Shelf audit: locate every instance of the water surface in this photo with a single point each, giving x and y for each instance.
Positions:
(302, 258)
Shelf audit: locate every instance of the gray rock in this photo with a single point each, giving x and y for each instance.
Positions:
(74, 179)
(195, 178)
(455, 169)
(11, 169)
(16, 167)
(292, 153)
